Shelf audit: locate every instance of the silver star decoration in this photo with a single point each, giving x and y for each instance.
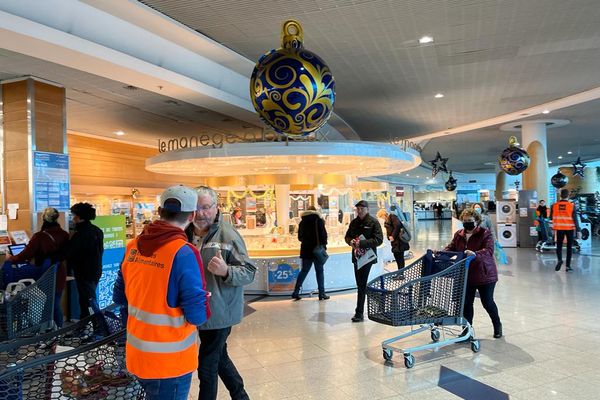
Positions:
(578, 167)
(439, 164)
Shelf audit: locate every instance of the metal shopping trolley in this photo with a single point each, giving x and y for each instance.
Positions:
(429, 293)
(75, 362)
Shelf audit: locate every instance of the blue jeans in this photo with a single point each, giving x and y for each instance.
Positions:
(214, 363)
(306, 265)
(167, 389)
(58, 314)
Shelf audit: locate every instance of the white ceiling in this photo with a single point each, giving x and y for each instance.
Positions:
(490, 57)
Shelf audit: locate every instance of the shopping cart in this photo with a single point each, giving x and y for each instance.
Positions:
(29, 311)
(75, 362)
(429, 293)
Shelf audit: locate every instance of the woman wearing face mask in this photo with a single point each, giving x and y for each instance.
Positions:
(486, 222)
(483, 273)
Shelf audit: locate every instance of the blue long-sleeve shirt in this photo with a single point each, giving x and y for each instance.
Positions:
(185, 288)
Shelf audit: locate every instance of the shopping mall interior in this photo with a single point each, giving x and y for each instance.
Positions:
(419, 110)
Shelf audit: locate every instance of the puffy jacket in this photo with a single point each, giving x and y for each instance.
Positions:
(227, 294)
(393, 228)
(482, 269)
(310, 224)
(84, 251)
(370, 228)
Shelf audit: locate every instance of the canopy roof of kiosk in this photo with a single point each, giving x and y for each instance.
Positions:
(314, 159)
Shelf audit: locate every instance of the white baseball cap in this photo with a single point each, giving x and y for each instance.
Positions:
(187, 198)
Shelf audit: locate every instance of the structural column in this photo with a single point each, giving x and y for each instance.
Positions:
(282, 201)
(501, 184)
(533, 140)
(32, 118)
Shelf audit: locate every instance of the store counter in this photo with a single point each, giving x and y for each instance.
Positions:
(277, 270)
(421, 215)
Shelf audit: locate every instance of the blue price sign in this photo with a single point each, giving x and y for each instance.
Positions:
(51, 181)
(282, 276)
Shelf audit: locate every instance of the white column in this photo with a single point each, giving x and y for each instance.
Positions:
(282, 202)
(535, 142)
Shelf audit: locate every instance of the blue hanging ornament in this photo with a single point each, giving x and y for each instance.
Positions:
(559, 180)
(451, 183)
(514, 160)
(292, 88)
(578, 168)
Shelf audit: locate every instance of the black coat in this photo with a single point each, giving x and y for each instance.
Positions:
(84, 252)
(310, 224)
(370, 228)
(393, 228)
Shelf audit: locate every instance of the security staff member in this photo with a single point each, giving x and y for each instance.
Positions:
(162, 284)
(564, 222)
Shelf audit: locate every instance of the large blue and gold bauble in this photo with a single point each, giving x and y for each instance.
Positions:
(514, 160)
(291, 88)
(559, 180)
(451, 183)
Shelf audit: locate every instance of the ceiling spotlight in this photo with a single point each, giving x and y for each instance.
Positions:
(426, 39)
(119, 133)
(546, 112)
(407, 174)
(569, 152)
(549, 162)
(439, 95)
(418, 176)
(560, 157)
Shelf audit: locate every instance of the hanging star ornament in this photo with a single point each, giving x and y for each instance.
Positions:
(439, 164)
(578, 167)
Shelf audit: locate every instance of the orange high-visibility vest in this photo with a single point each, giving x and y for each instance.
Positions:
(160, 342)
(562, 216)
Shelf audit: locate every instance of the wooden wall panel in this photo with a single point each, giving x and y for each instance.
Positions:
(107, 163)
(49, 105)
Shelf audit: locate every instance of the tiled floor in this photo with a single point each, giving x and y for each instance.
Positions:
(310, 350)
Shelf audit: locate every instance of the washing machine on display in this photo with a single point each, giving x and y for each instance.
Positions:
(507, 235)
(506, 211)
(586, 235)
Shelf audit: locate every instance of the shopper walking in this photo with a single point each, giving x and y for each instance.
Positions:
(227, 268)
(364, 232)
(398, 236)
(476, 241)
(541, 213)
(48, 244)
(486, 221)
(84, 255)
(565, 223)
(312, 235)
(162, 285)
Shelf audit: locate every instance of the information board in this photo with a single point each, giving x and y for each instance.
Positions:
(113, 227)
(51, 181)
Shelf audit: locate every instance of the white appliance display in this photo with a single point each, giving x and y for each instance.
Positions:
(507, 235)
(586, 235)
(506, 211)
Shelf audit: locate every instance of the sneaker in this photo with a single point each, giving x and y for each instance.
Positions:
(358, 318)
(296, 296)
(324, 297)
(498, 332)
(558, 265)
(569, 269)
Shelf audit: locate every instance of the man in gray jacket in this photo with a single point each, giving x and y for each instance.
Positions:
(227, 268)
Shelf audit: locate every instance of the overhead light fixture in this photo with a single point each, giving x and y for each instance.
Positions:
(425, 40)
(569, 152)
(407, 174)
(546, 112)
(560, 157)
(418, 176)
(439, 95)
(549, 162)
(119, 133)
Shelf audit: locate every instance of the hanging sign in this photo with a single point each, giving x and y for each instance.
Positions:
(51, 186)
(113, 227)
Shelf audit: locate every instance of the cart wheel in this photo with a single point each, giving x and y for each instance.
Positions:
(435, 335)
(409, 361)
(475, 346)
(387, 354)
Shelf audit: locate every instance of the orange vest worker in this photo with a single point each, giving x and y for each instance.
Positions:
(562, 216)
(160, 342)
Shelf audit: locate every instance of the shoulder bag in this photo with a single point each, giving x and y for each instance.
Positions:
(319, 252)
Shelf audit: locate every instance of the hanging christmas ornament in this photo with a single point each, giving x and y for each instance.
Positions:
(450, 184)
(559, 180)
(578, 168)
(439, 164)
(292, 88)
(513, 160)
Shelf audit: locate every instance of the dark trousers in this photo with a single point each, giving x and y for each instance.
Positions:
(214, 362)
(306, 265)
(167, 389)
(362, 277)
(399, 256)
(87, 291)
(560, 237)
(486, 294)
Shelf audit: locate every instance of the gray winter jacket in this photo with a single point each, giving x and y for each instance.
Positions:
(227, 294)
